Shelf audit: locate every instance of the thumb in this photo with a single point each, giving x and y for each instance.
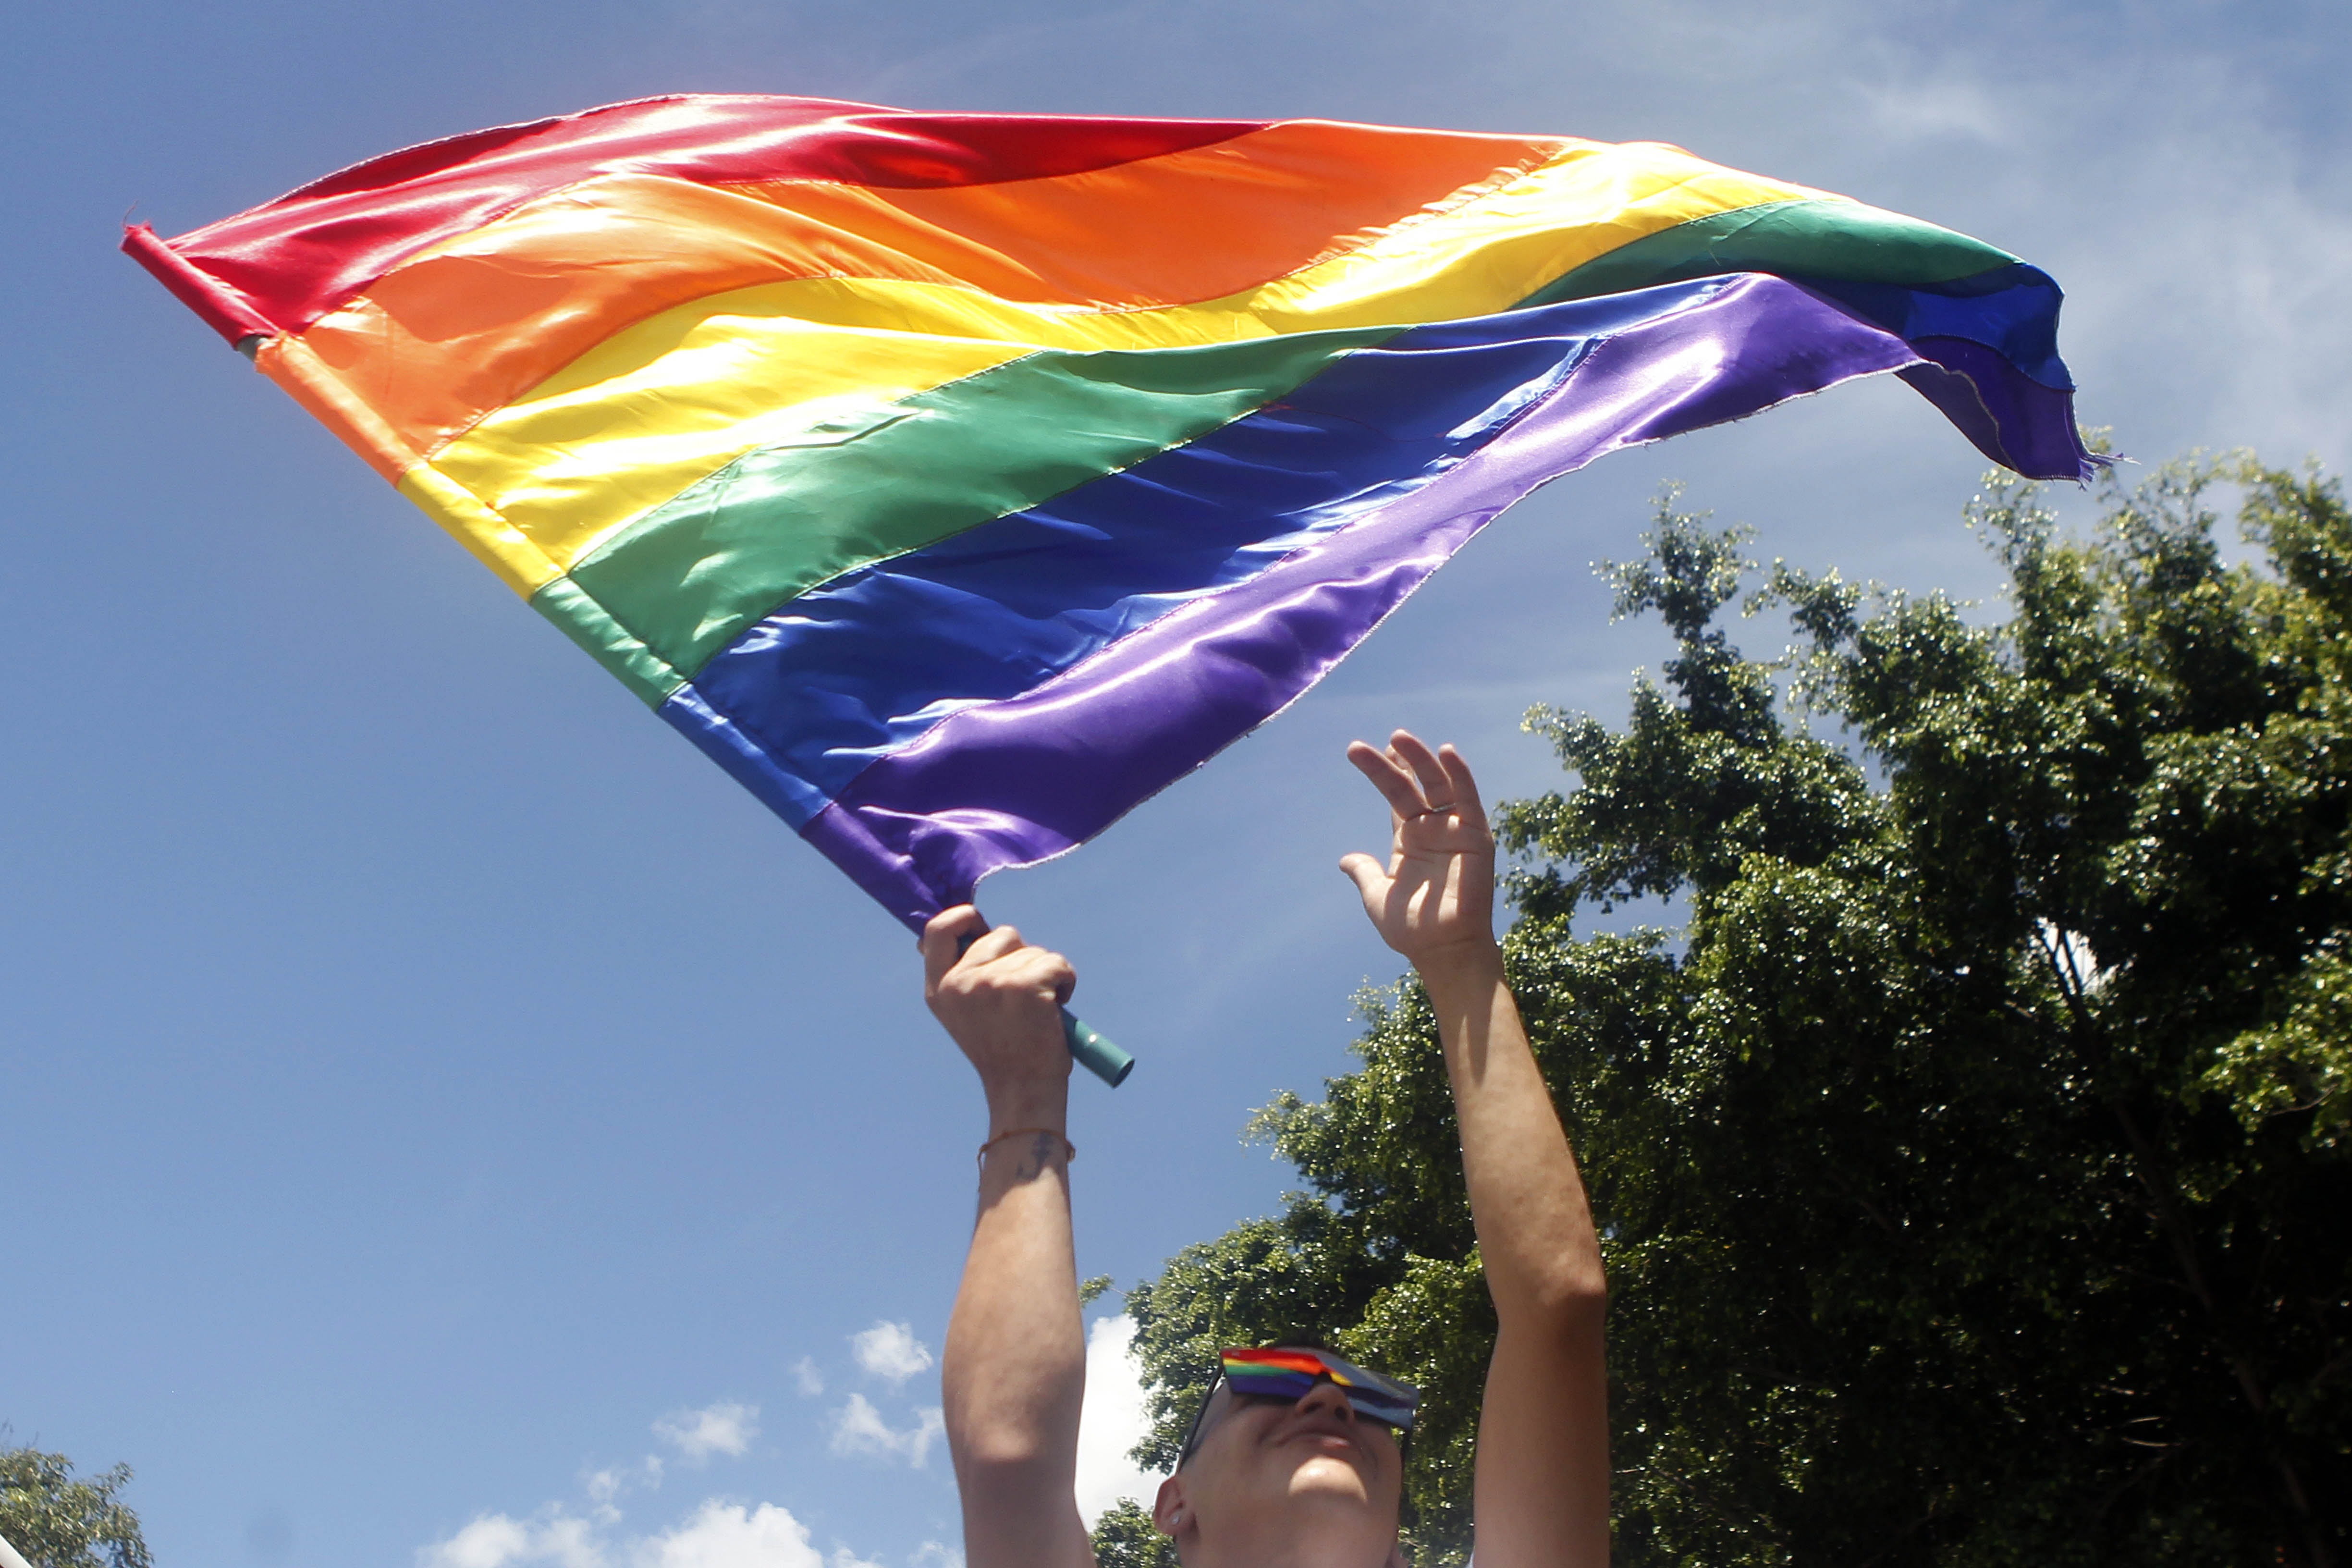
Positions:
(1369, 875)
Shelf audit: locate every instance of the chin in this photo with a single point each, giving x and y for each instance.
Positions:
(1328, 1475)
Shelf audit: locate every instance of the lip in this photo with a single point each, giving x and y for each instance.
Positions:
(1322, 1432)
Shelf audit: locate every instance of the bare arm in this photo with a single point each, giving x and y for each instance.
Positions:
(1015, 1371)
(1543, 1484)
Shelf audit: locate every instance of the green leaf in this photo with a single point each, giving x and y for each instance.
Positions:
(1973, 1166)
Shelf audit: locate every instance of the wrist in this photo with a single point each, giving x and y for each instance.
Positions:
(1029, 1105)
(1473, 962)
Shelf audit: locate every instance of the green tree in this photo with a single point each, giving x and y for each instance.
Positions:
(1976, 1179)
(1125, 1537)
(55, 1521)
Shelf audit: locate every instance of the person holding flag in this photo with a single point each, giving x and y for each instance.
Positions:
(1295, 1459)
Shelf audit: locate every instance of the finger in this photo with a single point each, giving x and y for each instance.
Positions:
(943, 935)
(994, 945)
(1049, 971)
(1390, 777)
(1465, 787)
(1366, 873)
(1035, 968)
(1428, 772)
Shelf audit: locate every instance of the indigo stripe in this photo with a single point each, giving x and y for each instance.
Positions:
(859, 668)
(1010, 783)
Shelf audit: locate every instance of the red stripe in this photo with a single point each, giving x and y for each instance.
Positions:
(1280, 1360)
(300, 256)
(224, 311)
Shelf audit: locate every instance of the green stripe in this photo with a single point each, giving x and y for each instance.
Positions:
(673, 587)
(670, 589)
(608, 642)
(1811, 237)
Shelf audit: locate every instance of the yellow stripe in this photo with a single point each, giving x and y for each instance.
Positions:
(677, 396)
(563, 470)
(495, 541)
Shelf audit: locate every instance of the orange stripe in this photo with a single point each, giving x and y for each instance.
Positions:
(475, 322)
(288, 361)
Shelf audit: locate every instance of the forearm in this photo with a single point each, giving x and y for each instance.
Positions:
(1526, 1199)
(1015, 1362)
(1543, 1484)
(1014, 1370)
(1543, 1428)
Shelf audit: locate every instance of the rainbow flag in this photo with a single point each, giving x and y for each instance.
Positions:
(956, 481)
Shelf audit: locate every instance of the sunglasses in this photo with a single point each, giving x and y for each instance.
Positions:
(1291, 1372)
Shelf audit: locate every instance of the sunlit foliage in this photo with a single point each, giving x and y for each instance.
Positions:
(1973, 1164)
(57, 1520)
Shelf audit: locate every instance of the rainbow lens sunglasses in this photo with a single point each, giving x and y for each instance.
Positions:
(1291, 1372)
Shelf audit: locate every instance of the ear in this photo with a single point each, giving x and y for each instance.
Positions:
(1169, 1502)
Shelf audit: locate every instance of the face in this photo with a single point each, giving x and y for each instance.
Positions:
(1266, 1472)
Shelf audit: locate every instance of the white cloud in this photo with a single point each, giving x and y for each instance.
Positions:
(807, 1378)
(718, 1534)
(1941, 106)
(608, 1486)
(891, 1351)
(492, 1541)
(721, 1428)
(730, 1535)
(495, 1540)
(858, 1428)
(936, 1554)
(1112, 1421)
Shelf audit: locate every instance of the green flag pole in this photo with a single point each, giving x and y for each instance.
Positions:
(1096, 1053)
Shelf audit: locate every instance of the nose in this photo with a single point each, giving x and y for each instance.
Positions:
(1327, 1395)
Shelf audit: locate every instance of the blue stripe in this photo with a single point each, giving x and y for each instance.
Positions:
(805, 700)
(871, 661)
(2013, 311)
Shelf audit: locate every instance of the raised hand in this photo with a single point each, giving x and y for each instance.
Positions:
(1000, 999)
(1435, 897)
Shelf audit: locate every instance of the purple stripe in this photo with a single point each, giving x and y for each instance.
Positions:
(1016, 782)
(2013, 420)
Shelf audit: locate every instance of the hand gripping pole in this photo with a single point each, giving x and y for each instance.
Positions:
(1093, 1049)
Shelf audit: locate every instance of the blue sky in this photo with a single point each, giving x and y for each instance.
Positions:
(446, 1122)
